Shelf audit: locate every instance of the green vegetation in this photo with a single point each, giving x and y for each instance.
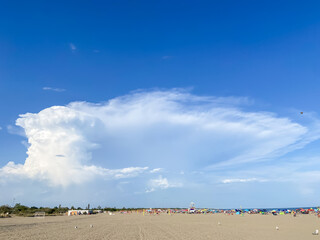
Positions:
(21, 210)
(25, 211)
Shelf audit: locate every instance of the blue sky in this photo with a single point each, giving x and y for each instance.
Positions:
(122, 103)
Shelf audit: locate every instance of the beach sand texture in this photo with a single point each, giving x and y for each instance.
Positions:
(176, 226)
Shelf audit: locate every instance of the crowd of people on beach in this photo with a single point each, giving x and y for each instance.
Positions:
(242, 212)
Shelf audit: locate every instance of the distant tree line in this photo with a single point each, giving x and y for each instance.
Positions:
(22, 210)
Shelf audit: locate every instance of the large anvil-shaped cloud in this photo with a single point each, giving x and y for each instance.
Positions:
(168, 129)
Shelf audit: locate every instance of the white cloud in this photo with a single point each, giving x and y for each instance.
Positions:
(59, 148)
(161, 183)
(53, 89)
(182, 132)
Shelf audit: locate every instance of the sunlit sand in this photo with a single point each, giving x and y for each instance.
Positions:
(163, 226)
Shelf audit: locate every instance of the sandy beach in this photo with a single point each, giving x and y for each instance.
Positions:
(176, 226)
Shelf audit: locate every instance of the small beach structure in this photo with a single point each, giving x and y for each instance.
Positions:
(79, 212)
(192, 208)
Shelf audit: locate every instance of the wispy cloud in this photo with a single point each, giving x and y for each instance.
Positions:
(155, 170)
(72, 47)
(166, 57)
(25, 143)
(16, 130)
(242, 180)
(128, 172)
(53, 89)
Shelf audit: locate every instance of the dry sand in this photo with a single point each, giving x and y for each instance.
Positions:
(177, 226)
